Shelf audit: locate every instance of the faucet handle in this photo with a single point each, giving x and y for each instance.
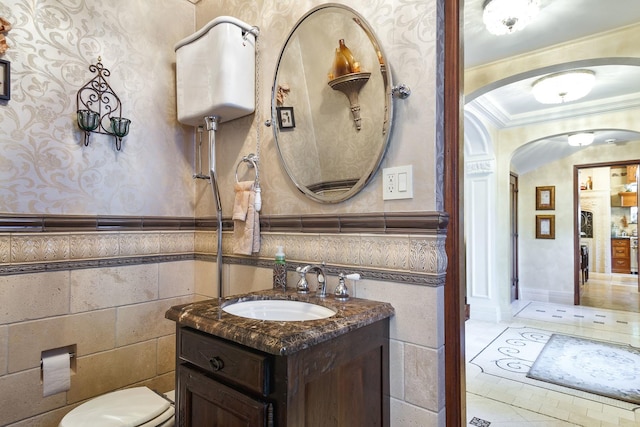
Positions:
(341, 291)
(302, 286)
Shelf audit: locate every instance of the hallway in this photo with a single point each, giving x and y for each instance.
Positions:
(501, 402)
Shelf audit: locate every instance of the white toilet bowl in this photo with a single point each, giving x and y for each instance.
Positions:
(132, 407)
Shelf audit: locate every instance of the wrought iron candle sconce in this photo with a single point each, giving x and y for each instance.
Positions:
(97, 103)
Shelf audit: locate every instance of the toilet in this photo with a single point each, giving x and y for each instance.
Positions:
(132, 407)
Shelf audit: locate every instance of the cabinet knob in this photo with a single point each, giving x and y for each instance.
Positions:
(216, 363)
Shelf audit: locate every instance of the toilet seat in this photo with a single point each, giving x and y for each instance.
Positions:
(133, 407)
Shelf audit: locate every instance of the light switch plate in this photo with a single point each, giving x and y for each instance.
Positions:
(397, 183)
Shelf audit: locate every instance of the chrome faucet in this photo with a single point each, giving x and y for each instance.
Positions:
(303, 285)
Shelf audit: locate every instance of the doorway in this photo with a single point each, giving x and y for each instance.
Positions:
(513, 220)
(607, 229)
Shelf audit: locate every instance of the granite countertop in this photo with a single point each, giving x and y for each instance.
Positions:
(277, 337)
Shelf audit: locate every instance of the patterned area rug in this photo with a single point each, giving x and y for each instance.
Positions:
(593, 366)
(512, 353)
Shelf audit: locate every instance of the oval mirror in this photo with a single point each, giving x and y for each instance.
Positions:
(331, 109)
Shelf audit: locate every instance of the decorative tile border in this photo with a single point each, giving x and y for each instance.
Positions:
(12, 269)
(68, 223)
(94, 245)
(51, 247)
(405, 247)
(412, 259)
(388, 223)
(416, 254)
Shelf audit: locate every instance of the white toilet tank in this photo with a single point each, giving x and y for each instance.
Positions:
(215, 72)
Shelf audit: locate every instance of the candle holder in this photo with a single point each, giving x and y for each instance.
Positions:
(99, 109)
(120, 128)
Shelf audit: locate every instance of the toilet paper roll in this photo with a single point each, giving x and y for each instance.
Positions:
(56, 372)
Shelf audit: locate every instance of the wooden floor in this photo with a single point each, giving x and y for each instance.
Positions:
(611, 291)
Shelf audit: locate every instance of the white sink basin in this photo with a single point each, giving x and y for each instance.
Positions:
(279, 310)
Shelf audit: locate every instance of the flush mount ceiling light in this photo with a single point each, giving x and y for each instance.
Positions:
(508, 16)
(563, 87)
(581, 139)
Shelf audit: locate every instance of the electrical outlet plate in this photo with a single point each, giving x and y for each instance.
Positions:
(397, 183)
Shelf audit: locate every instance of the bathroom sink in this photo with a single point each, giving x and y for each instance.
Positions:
(279, 310)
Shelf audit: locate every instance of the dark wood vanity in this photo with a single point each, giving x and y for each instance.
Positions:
(233, 371)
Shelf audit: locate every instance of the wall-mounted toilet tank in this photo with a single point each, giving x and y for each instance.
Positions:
(215, 72)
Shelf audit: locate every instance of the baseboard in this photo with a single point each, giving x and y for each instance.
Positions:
(545, 295)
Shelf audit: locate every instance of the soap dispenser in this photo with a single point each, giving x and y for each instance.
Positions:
(280, 270)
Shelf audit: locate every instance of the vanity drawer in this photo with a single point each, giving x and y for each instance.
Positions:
(235, 364)
(620, 243)
(619, 265)
(619, 248)
(620, 253)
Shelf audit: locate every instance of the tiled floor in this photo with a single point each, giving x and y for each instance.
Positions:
(615, 292)
(499, 402)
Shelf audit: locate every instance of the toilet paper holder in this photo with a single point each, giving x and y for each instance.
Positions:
(71, 356)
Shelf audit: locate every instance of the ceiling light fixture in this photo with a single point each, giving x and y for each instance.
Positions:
(581, 139)
(508, 16)
(563, 87)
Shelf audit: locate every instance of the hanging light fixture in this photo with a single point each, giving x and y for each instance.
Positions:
(580, 139)
(563, 87)
(508, 16)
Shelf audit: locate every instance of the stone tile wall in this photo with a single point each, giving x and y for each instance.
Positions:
(114, 314)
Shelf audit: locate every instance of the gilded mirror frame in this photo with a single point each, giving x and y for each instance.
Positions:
(322, 110)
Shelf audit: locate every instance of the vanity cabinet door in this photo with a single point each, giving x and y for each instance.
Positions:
(205, 402)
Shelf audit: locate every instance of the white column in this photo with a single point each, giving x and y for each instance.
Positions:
(480, 199)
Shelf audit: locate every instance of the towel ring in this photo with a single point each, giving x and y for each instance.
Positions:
(252, 163)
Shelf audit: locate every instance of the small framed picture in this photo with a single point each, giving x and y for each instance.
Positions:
(546, 198)
(545, 226)
(5, 79)
(286, 119)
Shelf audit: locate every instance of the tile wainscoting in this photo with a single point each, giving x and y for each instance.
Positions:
(104, 284)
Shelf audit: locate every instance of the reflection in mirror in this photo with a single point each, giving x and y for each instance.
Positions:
(331, 109)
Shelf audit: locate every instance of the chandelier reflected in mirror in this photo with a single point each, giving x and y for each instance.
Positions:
(508, 16)
(562, 87)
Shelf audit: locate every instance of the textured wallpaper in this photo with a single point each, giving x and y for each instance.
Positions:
(406, 30)
(44, 167)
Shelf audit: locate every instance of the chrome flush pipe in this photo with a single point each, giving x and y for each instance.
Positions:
(197, 157)
(212, 127)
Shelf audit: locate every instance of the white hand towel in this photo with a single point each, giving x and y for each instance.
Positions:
(241, 203)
